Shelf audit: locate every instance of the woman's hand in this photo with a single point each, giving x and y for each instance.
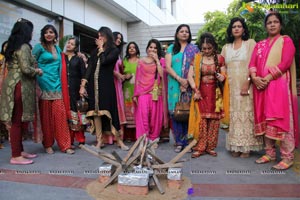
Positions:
(245, 88)
(154, 56)
(120, 76)
(220, 77)
(260, 82)
(82, 92)
(135, 100)
(39, 71)
(183, 82)
(197, 95)
(128, 76)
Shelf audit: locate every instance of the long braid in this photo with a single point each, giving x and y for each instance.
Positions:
(216, 60)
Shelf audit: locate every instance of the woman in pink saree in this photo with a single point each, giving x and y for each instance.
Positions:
(149, 92)
(272, 70)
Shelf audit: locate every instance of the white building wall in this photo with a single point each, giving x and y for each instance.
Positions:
(9, 15)
(85, 12)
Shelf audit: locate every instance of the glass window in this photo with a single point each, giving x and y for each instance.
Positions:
(157, 2)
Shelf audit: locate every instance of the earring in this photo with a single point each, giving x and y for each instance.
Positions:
(243, 33)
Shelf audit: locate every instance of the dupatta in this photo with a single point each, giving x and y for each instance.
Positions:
(188, 57)
(64, 85)
(195, 116)
(273, 59)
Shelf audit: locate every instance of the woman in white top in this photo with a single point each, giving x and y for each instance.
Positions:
(240, 139)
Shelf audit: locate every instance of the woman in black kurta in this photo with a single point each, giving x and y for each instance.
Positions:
(72, 72)
(101, 89)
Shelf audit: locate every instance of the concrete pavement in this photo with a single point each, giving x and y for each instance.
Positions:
(62, 176)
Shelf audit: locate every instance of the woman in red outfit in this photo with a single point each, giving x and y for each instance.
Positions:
(208, 70)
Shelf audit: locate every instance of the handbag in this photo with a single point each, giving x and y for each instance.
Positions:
(78, 119)
(182, 110)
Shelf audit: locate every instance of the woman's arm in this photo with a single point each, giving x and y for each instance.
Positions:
(287, 57)
(26, 63)
(110, 56)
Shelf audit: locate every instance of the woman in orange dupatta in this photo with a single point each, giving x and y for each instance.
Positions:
(209, 67)
(272, 70)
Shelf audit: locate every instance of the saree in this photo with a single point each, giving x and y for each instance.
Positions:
(275, 117)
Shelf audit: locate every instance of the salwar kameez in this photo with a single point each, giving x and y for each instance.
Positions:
(275, 107)
(180, 63)
(149, 112)
(53, 114)
(210, 116)
(128, 89)
(241, 137)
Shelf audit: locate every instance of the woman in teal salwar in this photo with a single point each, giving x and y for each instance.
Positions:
(178, 59)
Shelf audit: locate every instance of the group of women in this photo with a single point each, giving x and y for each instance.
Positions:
(242, 82)
(135, 96)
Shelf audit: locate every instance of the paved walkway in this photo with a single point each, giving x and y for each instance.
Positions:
(61, 176)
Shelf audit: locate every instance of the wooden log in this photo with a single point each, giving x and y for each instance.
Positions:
(151, 143)
(143, 151)
(155, 157)
(103, 157)
(168, 165)
(185, 150)
(118, 158)
(132, 149)
(114, 176)
(96, 153)
(157, 183)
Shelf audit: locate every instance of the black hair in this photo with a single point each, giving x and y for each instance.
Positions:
(177, 45)
(115, 34)
(21, 33)
(2, 47)
(76, 43)
(43, 31)
(230, 37)
(276, 14)
(158, 47)
(136, 48)
(106, 32)
(210, 39)
(43, 39)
